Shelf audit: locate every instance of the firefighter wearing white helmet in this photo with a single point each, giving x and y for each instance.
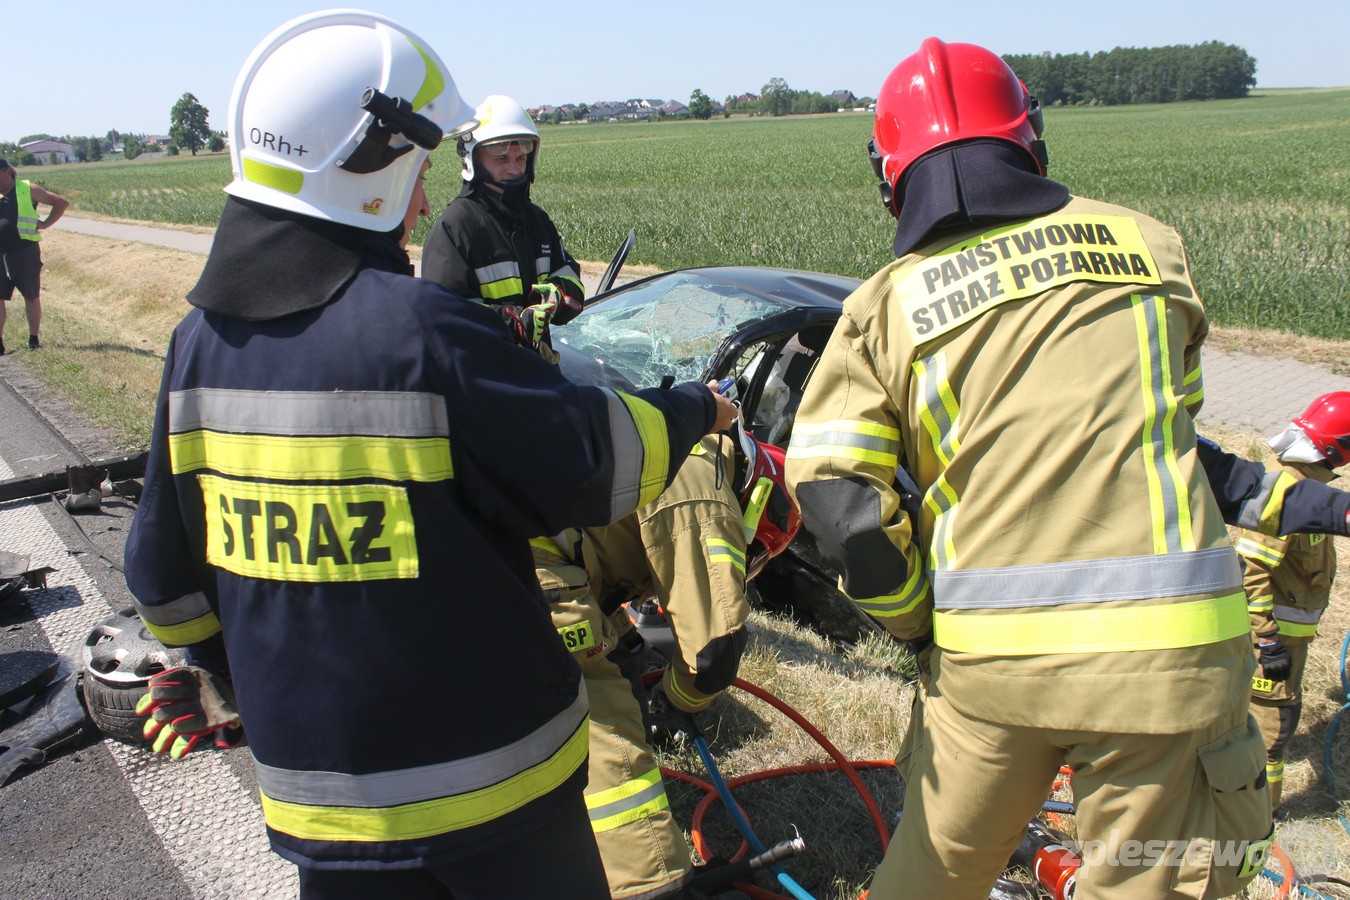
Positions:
(493, 243)
(329, 529)
(1288, 579)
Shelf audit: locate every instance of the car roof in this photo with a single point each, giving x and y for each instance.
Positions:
(795, 287)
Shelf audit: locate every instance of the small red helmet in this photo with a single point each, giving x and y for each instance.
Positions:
(1326, 422)
(771, 519)
(947, 93)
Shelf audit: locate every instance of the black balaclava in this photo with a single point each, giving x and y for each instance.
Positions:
(266, 262)
(967, 185)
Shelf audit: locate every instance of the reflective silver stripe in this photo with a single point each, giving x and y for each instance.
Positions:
(1171, 519)
(938, 421)
(628, 804)
(1090, 581)
(629, 455)
(1299, 616)
(382, 413)
(1249, 515)
(541, 264)
(565, 272)
(186, 608)
(804, 440)
(379, 790)
(497, 272)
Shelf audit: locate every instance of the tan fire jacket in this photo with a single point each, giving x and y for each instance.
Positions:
(1288, 579)
(687, 548)
(1038, 382)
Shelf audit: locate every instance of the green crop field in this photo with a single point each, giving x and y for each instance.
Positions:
(1259, 189)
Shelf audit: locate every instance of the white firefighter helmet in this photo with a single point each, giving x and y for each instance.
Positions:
(501, 120)
(333, 114)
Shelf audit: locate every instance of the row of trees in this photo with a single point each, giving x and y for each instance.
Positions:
(1210, 71)
(777, 98)
(188, 130)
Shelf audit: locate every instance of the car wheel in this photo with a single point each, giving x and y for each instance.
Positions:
(792, 586)
(120, 656)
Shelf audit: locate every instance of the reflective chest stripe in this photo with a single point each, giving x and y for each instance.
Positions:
(408, 804)
(962, 282)
(500, 280)
(1158, 627)
(27, 218)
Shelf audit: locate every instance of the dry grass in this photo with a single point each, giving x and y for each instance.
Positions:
(109, 308)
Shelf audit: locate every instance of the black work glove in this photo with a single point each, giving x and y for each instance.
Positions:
(1274, 659)
(666, 722)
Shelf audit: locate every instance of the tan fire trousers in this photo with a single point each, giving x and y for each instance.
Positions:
(1161, 816)
(643, 848)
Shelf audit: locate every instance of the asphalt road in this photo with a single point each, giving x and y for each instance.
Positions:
(101, 819)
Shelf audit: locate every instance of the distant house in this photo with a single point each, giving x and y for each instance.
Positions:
(47, 153)
(605, 110)
(843, 99)
(673, 108)
(159, 140)
(747, 98)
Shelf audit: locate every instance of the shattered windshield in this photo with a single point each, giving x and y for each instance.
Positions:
(668, 326)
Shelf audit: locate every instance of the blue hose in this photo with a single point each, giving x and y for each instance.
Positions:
(1331, 732)
(742, 824)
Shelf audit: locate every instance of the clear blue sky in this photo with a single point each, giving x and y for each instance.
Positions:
(89, 67)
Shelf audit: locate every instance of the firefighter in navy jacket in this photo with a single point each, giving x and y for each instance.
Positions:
(341, 490)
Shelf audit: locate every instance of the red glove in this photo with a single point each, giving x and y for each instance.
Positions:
(186, 705)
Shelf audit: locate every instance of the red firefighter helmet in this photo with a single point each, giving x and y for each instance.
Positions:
(1326, 422)
(947, 93)
(771, 519)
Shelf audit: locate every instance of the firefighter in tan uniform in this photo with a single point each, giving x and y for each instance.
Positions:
(1033, 359)
(1288, 579)
(688, 548)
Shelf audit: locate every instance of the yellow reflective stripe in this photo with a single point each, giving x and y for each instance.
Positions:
(1275, 770)
(1194, 387)
(1296, 629)
(672, 686)
(1159, 627)
(1262, 685)
(651, 432)
(183, 633)
(433, 85)
(1261, 604)
(288, 181)
(1270, 513)
(1256, 550)
(861, 441)
(720, 551)
(312, 458)
(429, 817)
(914, 591)
(1168, 496)
(630, 802)
(507, 287)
